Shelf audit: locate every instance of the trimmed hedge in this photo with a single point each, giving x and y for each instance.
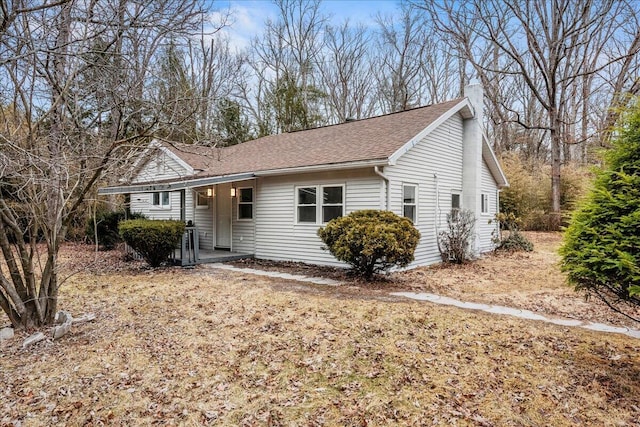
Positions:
(371, 241)
(154, 240)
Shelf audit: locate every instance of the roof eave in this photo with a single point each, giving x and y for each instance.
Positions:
(175, 185)
(493, 164)
(324, 167)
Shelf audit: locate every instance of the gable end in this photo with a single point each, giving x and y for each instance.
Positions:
(463, 107)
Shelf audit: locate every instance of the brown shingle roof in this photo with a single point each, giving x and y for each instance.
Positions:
(376, 138)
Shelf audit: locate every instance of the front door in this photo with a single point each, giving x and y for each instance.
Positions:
(223, 216)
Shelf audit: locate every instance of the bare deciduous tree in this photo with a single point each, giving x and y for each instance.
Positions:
(345, 71)
(545, 44)
(75, 101)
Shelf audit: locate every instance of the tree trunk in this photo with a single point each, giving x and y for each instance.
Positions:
(555, 216)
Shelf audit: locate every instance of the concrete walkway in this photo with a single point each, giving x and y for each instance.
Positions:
(516, 312)
(276, 274)
(442, 300)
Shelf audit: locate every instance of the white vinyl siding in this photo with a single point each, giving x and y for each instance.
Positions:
(487, 224)
(243, 231)
(438, 154)
(143, 203)
(279, 237)
(203, 220)
(160, 167)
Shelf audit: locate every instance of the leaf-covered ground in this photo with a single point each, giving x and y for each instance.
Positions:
(207, 347)
(531, 281)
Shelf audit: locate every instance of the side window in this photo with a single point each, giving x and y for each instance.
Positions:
(484, 203)
(306, 204)
(332, 203)
(161, 199)
(202, 201)
(409, 202)
(455, 206)
(245, 203)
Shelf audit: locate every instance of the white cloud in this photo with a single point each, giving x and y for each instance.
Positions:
(246, 20)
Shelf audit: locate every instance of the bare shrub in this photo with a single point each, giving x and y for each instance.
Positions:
(455, 242)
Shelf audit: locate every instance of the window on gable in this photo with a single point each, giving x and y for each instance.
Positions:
(307, 204)
(484, 203)
(161, 199)
(245, 203)
(409, 204)
(332, 203)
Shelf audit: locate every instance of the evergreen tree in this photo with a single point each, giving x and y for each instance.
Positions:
(601, 251)
(177, 97)
(233, 126)
(295, 107)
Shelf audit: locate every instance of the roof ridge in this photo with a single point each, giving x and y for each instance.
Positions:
(374, 117)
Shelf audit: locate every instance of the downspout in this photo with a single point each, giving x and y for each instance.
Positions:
(437, 216)
(376, 170)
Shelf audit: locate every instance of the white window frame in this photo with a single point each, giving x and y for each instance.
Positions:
(252, 203)
(296, 217)
(201, 195)
(319, 204)
(455, 211)
(484, 203)
(322, 204)
(414, 204)
(160, 204)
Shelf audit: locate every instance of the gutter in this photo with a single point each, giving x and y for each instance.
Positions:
(323, 168)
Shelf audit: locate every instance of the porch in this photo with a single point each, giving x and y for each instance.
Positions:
(190, 253)
(217, 255)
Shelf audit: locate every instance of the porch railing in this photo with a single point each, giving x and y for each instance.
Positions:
(190, 246)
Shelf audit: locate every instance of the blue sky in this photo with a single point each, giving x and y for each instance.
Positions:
(248, 16)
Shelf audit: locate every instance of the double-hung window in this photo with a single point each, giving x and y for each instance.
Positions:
(307, 204)
(455, 206)
(245, 203)
(319, 203)
(409, 202)
(484, 203)
(332, 202)
(161, 199)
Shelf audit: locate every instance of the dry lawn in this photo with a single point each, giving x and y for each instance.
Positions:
(530, 281)
(207, 347)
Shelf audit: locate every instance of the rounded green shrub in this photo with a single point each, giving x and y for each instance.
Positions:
(601, 250)
(371, 241)
(154, 240)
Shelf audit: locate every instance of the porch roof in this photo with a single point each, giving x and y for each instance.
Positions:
(171, 185)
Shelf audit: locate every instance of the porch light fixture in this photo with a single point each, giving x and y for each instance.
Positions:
(233, 191)
(209, 192)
